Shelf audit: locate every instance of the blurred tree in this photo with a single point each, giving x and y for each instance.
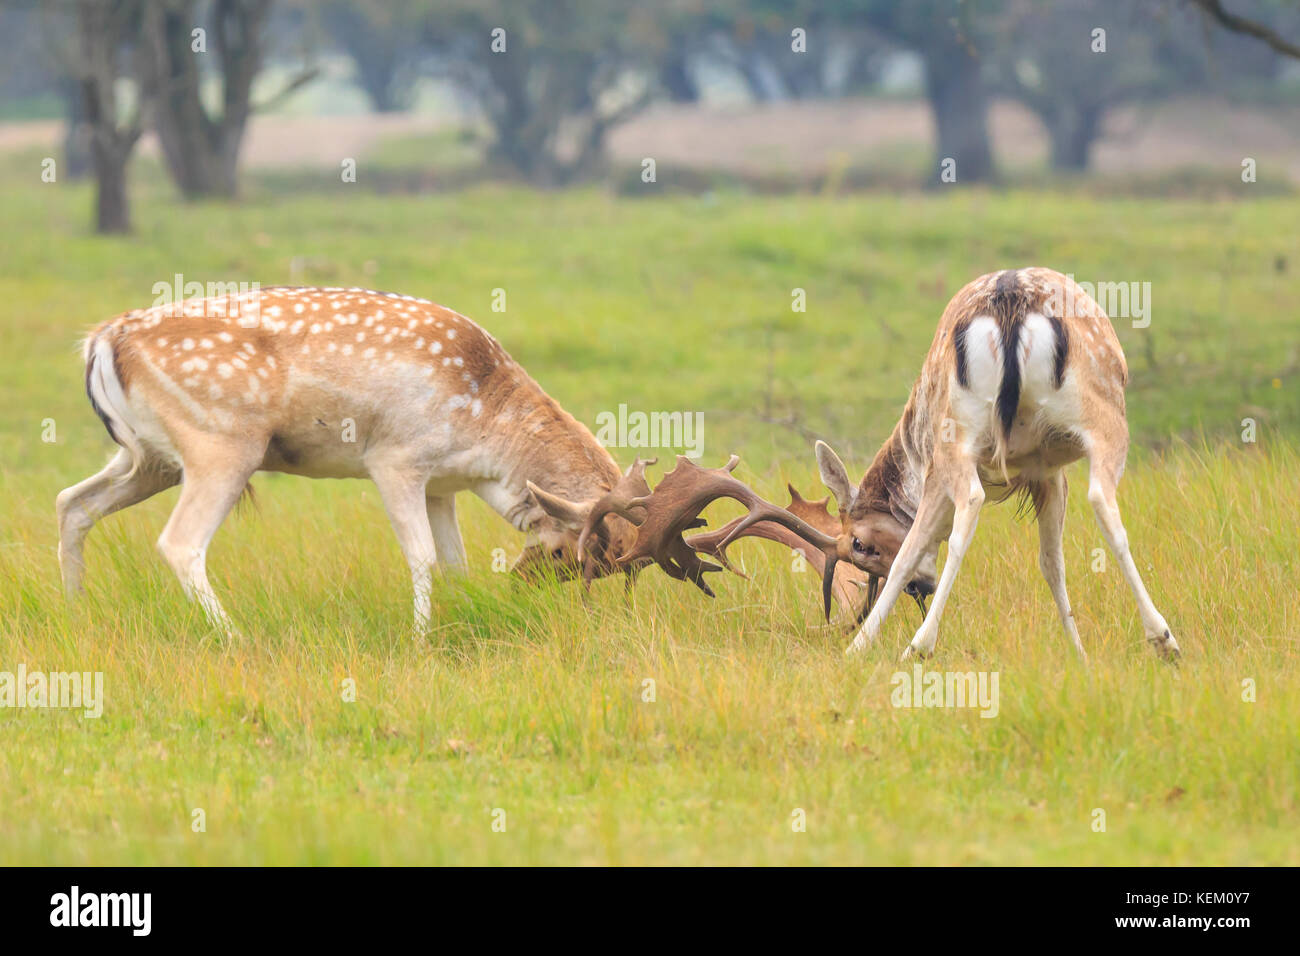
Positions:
(383, 39)
(553, 77)
(953, 38)
(201, 148)
(1051, 60)
(106, 31)
(757, 38)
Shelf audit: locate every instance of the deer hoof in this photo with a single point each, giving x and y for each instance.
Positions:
(1166, 646)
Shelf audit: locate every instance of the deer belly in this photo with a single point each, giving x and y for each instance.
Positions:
(326, 448)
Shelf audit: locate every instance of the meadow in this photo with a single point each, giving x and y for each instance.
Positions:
(527, 708)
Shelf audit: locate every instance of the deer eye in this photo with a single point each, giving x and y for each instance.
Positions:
(864, 549)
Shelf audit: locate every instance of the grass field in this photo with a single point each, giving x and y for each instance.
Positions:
(526, 702)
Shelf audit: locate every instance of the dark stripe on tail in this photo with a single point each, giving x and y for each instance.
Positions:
(90, 371)
(959, 343)
(1008, 307)
(1062, 350)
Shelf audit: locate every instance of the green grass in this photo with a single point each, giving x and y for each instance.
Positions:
(527, 701)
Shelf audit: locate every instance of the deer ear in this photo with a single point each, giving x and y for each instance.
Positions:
(835, 477)
(571, 513)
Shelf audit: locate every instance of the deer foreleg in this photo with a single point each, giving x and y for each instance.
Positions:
(968, 501)
(931, 515)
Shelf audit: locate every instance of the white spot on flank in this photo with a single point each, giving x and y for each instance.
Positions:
(188, 344)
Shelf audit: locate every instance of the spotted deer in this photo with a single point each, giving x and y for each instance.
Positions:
(1025, 375)
(338, 383)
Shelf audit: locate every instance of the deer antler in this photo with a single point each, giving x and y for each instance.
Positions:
(618, 500)
(849, 580)
(675, 505)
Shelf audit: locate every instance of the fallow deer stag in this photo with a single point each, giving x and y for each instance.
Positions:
(339, 383)
(1025, 375)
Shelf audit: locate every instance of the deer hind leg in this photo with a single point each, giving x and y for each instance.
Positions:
(932, 514)
(402, 491)
(1105, 466)
(80, 506)
(446, 532)
(1051, 556)
(967, 496)
(208, 493)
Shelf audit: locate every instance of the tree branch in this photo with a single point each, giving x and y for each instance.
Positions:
(1230, 21)
(299, 81)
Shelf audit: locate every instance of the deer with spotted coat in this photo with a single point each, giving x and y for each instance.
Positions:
(1024, 376)
(339, 383)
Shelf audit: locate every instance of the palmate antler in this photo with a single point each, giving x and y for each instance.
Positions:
(688, 489)
(619, 500)
(849, 579)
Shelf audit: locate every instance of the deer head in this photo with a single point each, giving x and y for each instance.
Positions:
(873, 523)
(582, 538)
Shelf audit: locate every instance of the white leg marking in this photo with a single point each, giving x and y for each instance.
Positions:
(1101, 494)
(80, 506)
(206, 499)
(930, 515)
(965, 520)
(1051, 557)
(403, 495)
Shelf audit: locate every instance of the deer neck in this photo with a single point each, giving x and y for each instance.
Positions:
(547, 446)
(894, 480)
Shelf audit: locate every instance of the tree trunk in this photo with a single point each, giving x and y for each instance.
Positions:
(112, 210)
(103, 29)
(202, 152)
(960, 106)
(76, 137)
(1073, 130)
(675, 76)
